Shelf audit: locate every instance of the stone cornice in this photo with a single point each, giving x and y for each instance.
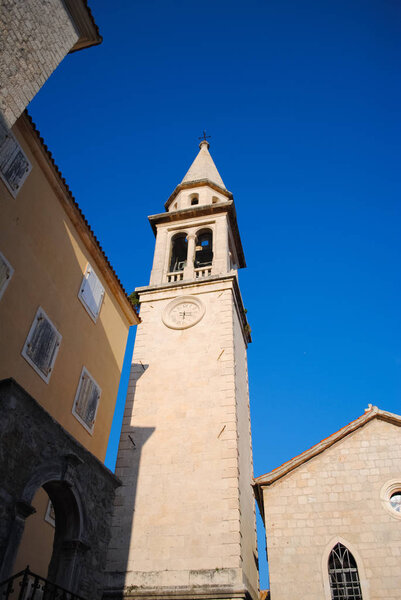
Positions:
(192, 592)
(205, 281)
(199, 183)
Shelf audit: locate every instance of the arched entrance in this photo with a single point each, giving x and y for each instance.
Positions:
(40, 528)
(68, 543)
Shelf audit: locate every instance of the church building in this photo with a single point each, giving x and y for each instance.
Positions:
(333, 515)
(184, 518)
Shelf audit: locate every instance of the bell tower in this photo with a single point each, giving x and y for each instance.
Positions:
(184, 519)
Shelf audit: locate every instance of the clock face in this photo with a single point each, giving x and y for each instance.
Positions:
(183, 312)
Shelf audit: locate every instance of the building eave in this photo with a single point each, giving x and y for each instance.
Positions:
(201, 211)
(85, 24)
(72, 209)
(371, 413)
(199, 183)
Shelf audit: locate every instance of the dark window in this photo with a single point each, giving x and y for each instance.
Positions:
(194, 201)
(42, 345)
(204, 249)
(343, 574)
(179, 247)
(86, 400)
(14, 165)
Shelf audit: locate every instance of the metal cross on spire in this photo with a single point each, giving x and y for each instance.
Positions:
(204, 137)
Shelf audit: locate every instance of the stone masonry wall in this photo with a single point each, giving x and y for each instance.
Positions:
(34, 451)
(176, 527)
(35, 36)
(249, 551)
(336, 495)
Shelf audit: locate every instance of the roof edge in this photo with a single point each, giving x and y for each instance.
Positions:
(85, 25)
(373, 412)
(71, 207)
(196, 183)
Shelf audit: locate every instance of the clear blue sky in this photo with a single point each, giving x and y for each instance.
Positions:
(302, 100)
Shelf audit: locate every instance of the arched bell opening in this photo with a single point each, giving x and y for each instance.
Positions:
(204, 249)
(179, 251)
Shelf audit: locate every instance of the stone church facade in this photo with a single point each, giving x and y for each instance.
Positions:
(333, 515)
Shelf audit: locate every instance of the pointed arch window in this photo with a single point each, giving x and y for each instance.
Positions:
(179, 249)
(343, 574)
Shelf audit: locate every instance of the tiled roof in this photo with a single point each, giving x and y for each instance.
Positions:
(372, 412)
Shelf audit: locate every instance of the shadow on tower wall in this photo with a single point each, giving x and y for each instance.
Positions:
(132, 440)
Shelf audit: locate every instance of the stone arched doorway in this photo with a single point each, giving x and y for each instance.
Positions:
(69, 544)
(58, 481)
(40, 527)
(36, 452)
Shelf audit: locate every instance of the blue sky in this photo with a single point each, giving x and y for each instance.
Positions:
(302, 100)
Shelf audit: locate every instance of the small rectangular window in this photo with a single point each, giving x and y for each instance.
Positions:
(42, 345)
(50, 516)
(6, 272)
(86, 400)
(14, 164)
(91, 293)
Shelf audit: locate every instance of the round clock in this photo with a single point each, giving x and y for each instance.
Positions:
(183, 312)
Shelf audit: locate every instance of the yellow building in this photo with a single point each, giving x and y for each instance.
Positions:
(64, 319)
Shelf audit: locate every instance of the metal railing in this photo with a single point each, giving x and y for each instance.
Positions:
(26, 585)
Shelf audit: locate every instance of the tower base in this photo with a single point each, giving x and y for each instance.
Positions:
(206, 584)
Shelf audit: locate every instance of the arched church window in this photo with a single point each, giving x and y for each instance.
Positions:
(179, 248)
(194, 200)
(204, 249)
(343, 574)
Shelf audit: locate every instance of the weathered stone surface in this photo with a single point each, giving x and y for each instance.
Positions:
(338, 495)
(35, 37)
(184, 519)
(36, 451)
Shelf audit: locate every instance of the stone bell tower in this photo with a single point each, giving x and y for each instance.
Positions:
(184, 521)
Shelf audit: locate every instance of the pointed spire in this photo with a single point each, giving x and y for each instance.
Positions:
(203, 168)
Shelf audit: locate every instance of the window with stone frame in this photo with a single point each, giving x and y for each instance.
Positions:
(14, 164)
(343, 574)
(91, 293)
(86, 400)
(42, 345)
(6, 272)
